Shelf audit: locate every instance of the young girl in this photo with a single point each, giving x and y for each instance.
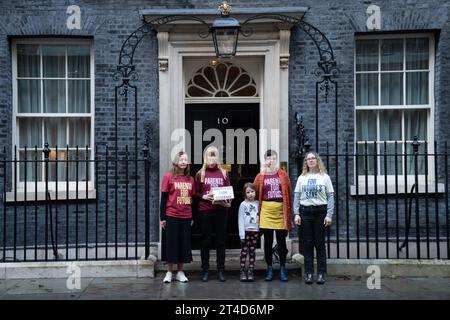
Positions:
(177, 190)
(248, 219)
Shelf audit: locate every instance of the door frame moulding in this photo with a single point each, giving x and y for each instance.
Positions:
(273, 92)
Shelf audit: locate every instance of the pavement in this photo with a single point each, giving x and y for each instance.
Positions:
(336, 288)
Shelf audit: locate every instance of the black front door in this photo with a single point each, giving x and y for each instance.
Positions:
(223, 117)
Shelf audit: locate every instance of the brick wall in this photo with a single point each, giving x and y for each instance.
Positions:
(110, 23)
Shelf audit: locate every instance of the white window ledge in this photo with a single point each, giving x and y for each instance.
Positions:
(391, 189)
(62, 195)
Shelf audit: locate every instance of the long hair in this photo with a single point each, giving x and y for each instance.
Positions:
(246, 186)
(175, 170)
(320, 165)
(210, 151)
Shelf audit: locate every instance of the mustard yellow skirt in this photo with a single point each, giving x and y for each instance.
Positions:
(271, 216)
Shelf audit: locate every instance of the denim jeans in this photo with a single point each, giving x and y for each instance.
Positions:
(312, 234)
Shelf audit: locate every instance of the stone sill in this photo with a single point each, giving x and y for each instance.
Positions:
(62, 195)
(370, 190)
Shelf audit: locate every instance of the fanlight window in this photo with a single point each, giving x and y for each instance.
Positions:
(221, 80)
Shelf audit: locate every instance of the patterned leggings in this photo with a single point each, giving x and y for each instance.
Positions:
(248, 247)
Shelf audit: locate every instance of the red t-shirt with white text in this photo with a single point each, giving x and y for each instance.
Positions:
(180, 192)
(272, 188)
(213, 178)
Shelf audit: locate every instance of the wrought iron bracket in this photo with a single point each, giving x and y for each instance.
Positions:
(326, 66)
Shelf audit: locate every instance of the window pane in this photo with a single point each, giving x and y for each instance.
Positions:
(411, 169)
(30, 133)
(391, 88)
(55, 132)
(32, 167)
(417, 88)
(366, 123)
(390, 125)
(53, 61)
(366, 159)
(78, 61)
(79, 96)
(29, 96)
(416, 124)
(417, 54)
(57, 166)
(389, 159)
(54, 96)
(28, 64)
(79, 132)
(366, 89)
(366, 55)
(77, 169)
(392, 54)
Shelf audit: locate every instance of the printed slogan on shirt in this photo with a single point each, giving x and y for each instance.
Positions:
(184, 189)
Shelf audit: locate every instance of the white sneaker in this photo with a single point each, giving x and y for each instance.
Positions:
(181, 277)
(168, 277)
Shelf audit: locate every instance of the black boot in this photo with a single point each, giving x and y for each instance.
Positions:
(320, 278)
(309, 278)
(221, 275)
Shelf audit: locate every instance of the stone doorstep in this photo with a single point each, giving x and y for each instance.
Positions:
(340, 267)
(90, 269)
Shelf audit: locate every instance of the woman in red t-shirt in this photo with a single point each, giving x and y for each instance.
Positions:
(212, 215)
(177, 191)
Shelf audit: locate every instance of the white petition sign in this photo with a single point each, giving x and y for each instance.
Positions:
(222, 193)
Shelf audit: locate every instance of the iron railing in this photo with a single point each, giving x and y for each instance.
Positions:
(380, 212)
(74, 206)
(389, 204)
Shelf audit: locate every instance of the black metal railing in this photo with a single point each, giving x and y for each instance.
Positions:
(389, 203)
(67, 204)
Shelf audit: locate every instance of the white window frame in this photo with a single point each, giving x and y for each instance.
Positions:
(62, 191)
(410, 179)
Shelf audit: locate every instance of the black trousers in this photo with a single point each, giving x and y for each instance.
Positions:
(281, 242)
(217, 222)
(312, 234)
